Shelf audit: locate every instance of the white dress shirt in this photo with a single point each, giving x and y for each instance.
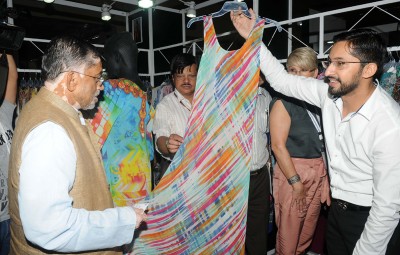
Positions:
(260, 154)
(171, 117)
(47, 174)
(363, 150)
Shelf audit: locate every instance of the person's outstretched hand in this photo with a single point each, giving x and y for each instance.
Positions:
(140, 216)
(243, 24)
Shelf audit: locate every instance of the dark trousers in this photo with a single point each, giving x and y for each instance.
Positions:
(5, 236)
(345, 228)
(394, 243)
(258, 214)
(157, 174)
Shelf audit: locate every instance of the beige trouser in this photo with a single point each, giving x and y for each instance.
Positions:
(296, 229)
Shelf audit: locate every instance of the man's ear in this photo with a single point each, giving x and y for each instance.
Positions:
(369, 70)
(71, 81)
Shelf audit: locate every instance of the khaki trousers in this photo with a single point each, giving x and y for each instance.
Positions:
(296, 229)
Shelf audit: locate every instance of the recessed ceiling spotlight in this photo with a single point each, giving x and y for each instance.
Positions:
(48, 1)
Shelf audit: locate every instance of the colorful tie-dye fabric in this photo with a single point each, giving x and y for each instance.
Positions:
(200, 204)
(126, 144)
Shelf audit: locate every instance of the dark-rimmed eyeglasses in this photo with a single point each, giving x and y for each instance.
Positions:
(340, 64)
(101, 78)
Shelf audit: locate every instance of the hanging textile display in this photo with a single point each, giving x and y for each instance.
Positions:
(200, 204)
(390, 79)
(28, 88)
(126, 145)
(396, 89)
(158, 93)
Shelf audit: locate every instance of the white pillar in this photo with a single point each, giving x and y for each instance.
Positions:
(184, 31)
(290, 30)
(10, 4)
(194, 49)
(151, 47)
(127, 23)
(256, 6)
(321, 37)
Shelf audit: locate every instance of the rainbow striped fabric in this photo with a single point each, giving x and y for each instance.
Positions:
(126, 145)
(200, 204)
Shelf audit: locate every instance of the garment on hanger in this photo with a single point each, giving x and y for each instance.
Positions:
(149, 87)
(28, 88)
(390, 79)
(321, 75)
(158, 93)
(235, 6)
(126, 145)
(396, 89)
(200, 204)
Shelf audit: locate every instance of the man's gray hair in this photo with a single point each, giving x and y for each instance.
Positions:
(67, 53)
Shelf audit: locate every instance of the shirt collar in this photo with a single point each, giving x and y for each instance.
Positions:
(182, 98)
(369, 107)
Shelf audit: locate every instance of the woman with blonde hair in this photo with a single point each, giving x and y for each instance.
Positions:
(300, 178)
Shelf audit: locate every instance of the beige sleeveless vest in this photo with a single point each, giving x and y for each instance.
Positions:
(90, 190)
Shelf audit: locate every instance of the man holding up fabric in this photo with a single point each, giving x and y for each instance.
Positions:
(362, 130)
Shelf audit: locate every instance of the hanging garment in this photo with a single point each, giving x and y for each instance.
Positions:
(396, 89)
(200, 204)
(389, 80)
(160, 92)
(126, 145)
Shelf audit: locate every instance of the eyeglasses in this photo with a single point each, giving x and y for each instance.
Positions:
(183, 76)
(339, 64)
(101, 78)
(298, 72)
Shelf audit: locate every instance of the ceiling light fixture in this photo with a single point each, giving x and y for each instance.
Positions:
(48, 1)
(145, 3)
(105, 12)
(191, 11)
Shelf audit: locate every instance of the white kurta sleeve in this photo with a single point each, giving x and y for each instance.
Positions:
(47, 174)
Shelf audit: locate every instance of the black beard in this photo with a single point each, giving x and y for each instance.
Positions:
(344, 88)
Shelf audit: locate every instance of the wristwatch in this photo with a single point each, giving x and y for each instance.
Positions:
(292, 180)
